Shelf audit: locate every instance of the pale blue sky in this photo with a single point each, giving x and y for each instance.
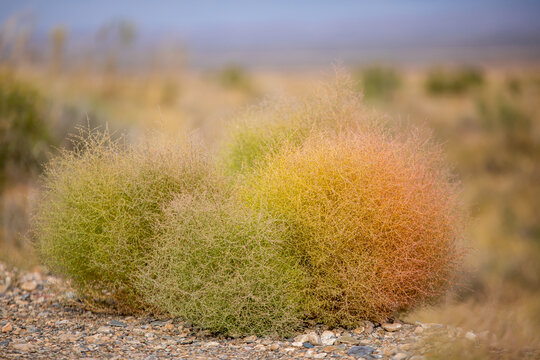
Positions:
(461, 17)
(311, 25)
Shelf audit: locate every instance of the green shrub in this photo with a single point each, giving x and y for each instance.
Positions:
(379, 82)
(375, 219)
(440, 81)
(96, 219)
(223, 268)
(24, 133)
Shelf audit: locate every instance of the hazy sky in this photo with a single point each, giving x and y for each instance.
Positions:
(303, 24)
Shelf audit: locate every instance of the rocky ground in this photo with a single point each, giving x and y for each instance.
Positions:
(41, 318)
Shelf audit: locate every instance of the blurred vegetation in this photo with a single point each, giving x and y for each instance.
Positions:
(114, 40)
(453, 81)
(494, 141)
(25, 136)
(235, 77)
(58, 38)
(379, 82)
(443, 347)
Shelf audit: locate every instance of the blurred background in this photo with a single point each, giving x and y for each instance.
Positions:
(468, 70)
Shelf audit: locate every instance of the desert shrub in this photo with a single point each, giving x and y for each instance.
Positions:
(223, 268)
(374, 218)
(514, 85)
(458, 81)
(262, 131)
(95, 222)
(24, 133)
(379, 82)
(234, 77)
(508, 123)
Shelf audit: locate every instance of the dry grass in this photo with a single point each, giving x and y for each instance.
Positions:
(374, 218)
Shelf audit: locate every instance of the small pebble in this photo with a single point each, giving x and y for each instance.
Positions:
(250, 339)
(399, 356)
(29, 285)
(117, 323)
(23, 347)
(391, 327)
(104, 330)
(7, 328)
(361, 350)
(347, 339)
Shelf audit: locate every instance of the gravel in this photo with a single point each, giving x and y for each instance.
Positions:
(41, 318)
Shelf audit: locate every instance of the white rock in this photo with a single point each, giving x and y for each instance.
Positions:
(319, 356)
(470, 336)
(313, 339)
(328, 338)
(298, 344)
(212, 343)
